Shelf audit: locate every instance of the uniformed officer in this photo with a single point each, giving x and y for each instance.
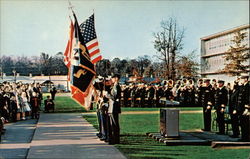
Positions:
(114, 110)
(214, 88)
(206, 102)
(159, 94)
(138, 96)
(125, 96)
(143, 94)
(243, 108)
(190, 93)
(151, 93)
(234, 114)
(132, 95)
(220, 102)
(168, 90)
(199, 92)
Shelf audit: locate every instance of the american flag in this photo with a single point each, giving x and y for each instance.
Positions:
(87, 29)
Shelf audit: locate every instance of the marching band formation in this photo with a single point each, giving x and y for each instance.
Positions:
(230, 99)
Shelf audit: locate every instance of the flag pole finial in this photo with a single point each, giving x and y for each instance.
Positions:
(70, 6)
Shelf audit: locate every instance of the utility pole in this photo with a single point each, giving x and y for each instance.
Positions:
(14, 72)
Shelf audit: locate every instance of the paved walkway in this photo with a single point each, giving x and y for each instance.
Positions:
(15, 142)
(68, 136)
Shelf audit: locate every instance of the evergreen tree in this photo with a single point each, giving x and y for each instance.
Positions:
(237, 57)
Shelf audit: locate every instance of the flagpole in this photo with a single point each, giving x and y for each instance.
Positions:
(71, 7)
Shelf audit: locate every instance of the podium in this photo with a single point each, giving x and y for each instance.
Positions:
(169, 122)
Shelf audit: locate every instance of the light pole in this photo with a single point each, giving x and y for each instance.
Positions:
(14, 72)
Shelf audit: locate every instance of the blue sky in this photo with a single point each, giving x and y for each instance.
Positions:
(124, 28)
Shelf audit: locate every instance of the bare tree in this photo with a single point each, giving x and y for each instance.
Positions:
(143, 63)
(58, 66)
(103, 67)
(45, 62)
(187, 66)
(168, 42)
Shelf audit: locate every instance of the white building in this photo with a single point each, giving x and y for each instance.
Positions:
(214, 47)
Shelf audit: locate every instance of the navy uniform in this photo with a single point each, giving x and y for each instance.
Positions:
(199, 92)
(159, 94)
(132, 95)
(191, 95)
(220, 101)
(214, 88)
(143, 95)
(113, 113)
(206, 102)
(243, 108)
(233, 98)
(168, 92)
(125, 96)
(151, 93)
(137, 97)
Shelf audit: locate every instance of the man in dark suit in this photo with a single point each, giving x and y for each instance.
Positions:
(114, 110)
(53, 93)
(206, 102)
(220, 102)
(243, 108)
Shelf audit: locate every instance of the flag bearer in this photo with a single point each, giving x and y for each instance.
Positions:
(114, 110)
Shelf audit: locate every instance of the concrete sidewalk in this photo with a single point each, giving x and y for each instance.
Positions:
(16, 140)
(68, 136)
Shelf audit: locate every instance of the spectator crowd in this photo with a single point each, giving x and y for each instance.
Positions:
(22, 101)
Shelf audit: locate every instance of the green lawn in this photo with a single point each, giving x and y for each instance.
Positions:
(67, 104)
(135, 144)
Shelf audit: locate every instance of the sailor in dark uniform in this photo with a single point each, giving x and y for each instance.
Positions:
(143, 95)
(233, 98)
(214, 88)
(159, 94)
(243, 108)
(132, 95)
(190, 93)
(220, 99)
(199, 92)
(138, 96)
(206, 102)
(151, 93)
(114, 110)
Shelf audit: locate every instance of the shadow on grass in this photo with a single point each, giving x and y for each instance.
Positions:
(140, 146)
(92, 119)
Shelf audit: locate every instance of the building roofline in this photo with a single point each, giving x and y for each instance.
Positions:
(220, 53)
(244, 26)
